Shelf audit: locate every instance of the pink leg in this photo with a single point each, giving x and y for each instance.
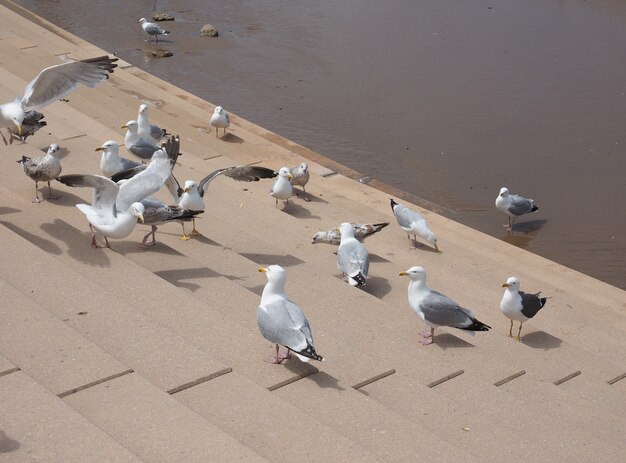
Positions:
(279, 357)
(50, 195)
(427, 337)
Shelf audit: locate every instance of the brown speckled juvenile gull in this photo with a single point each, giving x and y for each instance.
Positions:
(158, 213)
(300, 177)
(43, 169)
(361, 231)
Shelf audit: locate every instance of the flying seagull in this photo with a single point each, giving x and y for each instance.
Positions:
(51, 84)
(282, 321)
(413, 223)
(43, 169)
(435, 309)
(33, 121)
(518, 305)
(513, 206)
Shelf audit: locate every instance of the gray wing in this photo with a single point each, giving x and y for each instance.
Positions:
(128, 173)
(129, 164)
(406, 216)
(362, 231)
(146, 182)
(154, 29)
(284, 323)
(520, 205)
(158, 212)
(57, 81)
(441, 310)
(143, 149)
(156, 132)
(531, 303)
(352, 258)
(238, 173)
(105, 191)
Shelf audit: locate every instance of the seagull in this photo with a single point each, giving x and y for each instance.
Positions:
(413, 223)
(111, 163)
(33, 121)
(518, 305)
(513, 206)
(149, 132)
(282, 188)
(191, 195)
(435, 309)
(51, 84)
(220, 120)
(115, 208)
(282, 321)
(361, 231)
(137, 145)
(152, 29)
(352, 257)
(300, 177)
(43, 169)
(157, 213)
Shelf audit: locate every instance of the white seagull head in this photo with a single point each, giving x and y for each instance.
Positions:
(504, 192)
(138, 210)
(512, 283)
(274, 273)
(415, 273)
(189, 186)
(131, 126)
(284, 172)
(53, 149)
(109, 146)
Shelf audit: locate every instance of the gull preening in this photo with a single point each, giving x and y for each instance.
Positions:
(111, 162)
(435, 309)
(413, 223)
(149, 132)
(220, 120)
(352, 257)
(513, 206)
(152, 29)
(43, 169)
(282, 321)
(135, 144)
(361, 231)
(518, 305)
(282, 187)
(191, 195)
(115, 208)
(300, 177)
(33, 121)
(50, 85)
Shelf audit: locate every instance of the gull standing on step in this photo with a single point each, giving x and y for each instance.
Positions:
(352, 257)
(282, 321)
(149, 132)
(115, 208)
(518, 305)
(513, 206)
(435, 309)
(50, 85)
(220, 120)
(413, 223)
(152, 29)
(135, 144)
(300, 177)
(282, 187)
(158, 213)
(111, 162)
(43, 169)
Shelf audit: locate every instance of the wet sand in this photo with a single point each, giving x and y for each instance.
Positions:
(448, 102)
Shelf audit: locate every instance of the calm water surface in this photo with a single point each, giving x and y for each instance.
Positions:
(448, 100)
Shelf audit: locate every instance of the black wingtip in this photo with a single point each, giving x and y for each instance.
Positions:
(393, 203)
(543, 301)
(477, 326)
(360, 279)
(309, 352)
(380, 226)
(534, 208)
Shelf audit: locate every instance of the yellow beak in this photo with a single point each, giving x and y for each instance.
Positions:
(124, 126)
(505, 285)
(402, 274)
(437, 248)
(262, 269)
(290, 176)
(141, 218)
(19, 129)
(99, 148)
(186, 190)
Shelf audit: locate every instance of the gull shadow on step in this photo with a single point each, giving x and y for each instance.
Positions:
(377, 286)
(7, 444)
(541, 340)
(41, 243)
(231, 138)
(447, 341)
(296, 210)
(179, 277)
(284, 260)
(8, 210)
(300, 195)
(322, 379)
(78, 243)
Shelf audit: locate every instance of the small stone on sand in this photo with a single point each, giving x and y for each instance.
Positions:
(208, 31)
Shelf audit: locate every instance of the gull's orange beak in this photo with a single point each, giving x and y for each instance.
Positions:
(262, 269)
(19, 130)
(505, 285)
(124, 126)
(402, 274)
(99, 148)
(186, 190)
(290, 176)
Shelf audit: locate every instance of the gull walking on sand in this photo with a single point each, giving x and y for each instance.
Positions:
(282, 187)
(413, 223)
(152, 29)
(146, 130)
(111, 162)
(352, 257)
(513, 206)
(220, 120)
(518, 305)
(361, 231)
(300, 177)
(51, 84)
(435, 309)
(282, 321)
(43, 169)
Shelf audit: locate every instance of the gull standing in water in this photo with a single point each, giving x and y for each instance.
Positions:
(413, 223)
(282, 321)
(513, 206)
(518, 305)
(51, 84)
(220, 120)
(352, 257)
(43, 169)
(435, 309)
(282, 187)
(300, 177)
(152, 29)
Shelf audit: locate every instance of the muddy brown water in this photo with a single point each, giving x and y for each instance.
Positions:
(448, 101)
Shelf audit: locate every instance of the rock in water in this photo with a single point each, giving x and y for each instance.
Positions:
(162, 53)
(208, 31)
(163, 17)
